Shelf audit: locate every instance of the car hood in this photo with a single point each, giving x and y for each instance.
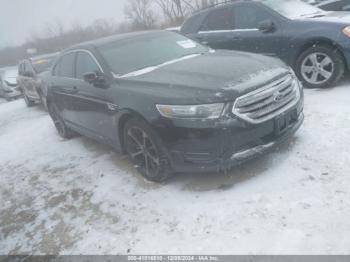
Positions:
(331, 17)
(218, 75)
(11, 80)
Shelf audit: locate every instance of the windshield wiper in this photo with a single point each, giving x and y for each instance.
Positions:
(151, 68)
(314, 15)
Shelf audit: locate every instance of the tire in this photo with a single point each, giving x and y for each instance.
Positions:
(324, 62)
(61, 127)
(43, 102)
(29, 102)
(146, 151)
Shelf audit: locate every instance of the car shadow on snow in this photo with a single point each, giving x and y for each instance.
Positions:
(248, 171)
(200, 182)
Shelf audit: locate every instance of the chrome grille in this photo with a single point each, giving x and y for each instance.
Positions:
(267, 102)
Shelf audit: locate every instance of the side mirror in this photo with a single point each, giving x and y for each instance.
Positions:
(96, 79)
(266, 26)
(28, 74)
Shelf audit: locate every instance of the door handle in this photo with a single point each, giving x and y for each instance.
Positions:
(75, 90)
(236, 38)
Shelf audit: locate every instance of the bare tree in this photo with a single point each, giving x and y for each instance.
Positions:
(174, 11)
(141, 14)
(55, 38)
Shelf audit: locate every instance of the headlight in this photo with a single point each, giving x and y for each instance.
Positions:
(209, 111)
(346, 31)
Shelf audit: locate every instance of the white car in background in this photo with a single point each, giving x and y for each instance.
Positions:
(8, 83)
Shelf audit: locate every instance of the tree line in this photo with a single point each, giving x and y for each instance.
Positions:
(139, 14)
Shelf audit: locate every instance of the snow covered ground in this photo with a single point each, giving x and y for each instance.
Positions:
(78, 197)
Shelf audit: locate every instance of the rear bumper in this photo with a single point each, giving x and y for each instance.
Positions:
(221, 148)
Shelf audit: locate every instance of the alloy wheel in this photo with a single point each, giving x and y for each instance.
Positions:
(143, 151)
(317, 68)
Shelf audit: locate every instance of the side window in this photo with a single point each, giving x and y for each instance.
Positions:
(65, 66)
(192, 24)
(85, 64)
(219, 19)
(249, 17)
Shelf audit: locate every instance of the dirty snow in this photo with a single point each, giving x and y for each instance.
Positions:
(78, 197)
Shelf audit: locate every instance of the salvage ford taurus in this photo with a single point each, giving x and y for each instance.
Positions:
(172, 104)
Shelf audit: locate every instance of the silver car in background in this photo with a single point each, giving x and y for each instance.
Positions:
(8, 83)
(31, 78)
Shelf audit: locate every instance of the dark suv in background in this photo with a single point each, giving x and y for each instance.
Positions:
(32, 78)
(314, 42)
(332, 5)
(172, 104)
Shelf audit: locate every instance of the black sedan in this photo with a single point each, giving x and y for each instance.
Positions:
(314, 42)
(172, 104)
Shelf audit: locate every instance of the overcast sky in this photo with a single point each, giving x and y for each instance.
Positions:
(21, 18)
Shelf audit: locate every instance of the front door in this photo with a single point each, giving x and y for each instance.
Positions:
(248, 37)
(236, 28)
(91, 110)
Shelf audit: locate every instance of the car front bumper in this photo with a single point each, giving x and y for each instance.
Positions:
(223, 147)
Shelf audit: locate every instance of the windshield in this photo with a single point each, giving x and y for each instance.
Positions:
(134, 54)
(42, 64)
(293, 8)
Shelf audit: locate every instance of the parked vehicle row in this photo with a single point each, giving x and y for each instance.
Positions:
(207, 99)
(315, 43)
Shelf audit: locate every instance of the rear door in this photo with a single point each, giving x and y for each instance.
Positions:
(26, 81)
(235, 27)
(217, 28)
(64, 86)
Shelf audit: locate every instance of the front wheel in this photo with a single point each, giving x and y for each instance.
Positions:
(146, 151)
(320, 66)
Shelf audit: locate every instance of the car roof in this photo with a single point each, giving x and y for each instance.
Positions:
(223, 4)
(44, 56)
(115, 38)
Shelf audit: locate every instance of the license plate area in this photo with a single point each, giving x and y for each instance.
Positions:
(284, 121)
